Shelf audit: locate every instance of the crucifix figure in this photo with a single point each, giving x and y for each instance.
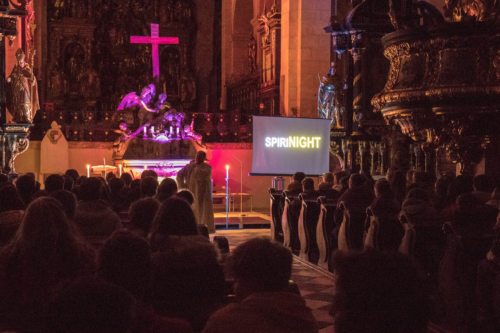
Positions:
(154, 40)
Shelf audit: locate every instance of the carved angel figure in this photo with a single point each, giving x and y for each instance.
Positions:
(143, 100)
(22, 100)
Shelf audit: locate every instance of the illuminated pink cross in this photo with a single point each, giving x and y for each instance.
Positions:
(154, 40)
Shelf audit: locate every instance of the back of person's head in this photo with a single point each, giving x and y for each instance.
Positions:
(344, 182)
(134, 192)
(467, 202)
(186, 195)
(149, 173)
(166, 189)
(222, 244)
(442, 184)
(174, 217)
(398, 181)
(72, 173)
(48, 240)
(188, 282)
(10, 199)
(410, 177)
(417, 194)
(127, 178)
(200, 157)
(92, 306)
(328, 177)
(110, 175)
(68, 201)
(90, 189)
(383, 188)
(260, 265)
(308, 184)
(356, 180)
(148, 186)
(419, 177)
(142, 213)
(54, 183)
(460, 185)
(25, 185)
(69, 183)
(338, 176)
(80, 180)
(135, 184)
(116, 186)
(482, 183)
(299, 176)
(125, 260)
(378, 292)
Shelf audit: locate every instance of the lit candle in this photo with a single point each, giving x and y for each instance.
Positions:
(88, 170)
(227, 171)
(171, 131)
(145, 132)
(120, 169)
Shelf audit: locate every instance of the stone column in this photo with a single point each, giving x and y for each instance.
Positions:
(357, 78)
(382, 153)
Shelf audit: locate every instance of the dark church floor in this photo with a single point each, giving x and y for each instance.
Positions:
(315, 284)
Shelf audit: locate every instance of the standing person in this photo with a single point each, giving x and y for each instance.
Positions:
(200, 183)
(182, 177)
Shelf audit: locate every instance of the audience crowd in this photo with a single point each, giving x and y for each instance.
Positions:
(409, 254)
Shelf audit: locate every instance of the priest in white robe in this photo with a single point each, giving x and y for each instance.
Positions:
(200, 183)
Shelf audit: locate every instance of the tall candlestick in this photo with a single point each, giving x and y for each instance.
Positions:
(227, 196)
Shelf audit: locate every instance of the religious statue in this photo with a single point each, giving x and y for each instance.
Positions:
(157, 120)
(56, 82)
(75, 57)
(125, 135)
(58, 8)
(252, 54)
(329, 98)
(188, 87)
(91, 86)
(174, 119)
(22, 99)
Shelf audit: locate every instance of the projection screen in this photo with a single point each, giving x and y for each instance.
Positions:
(283, 146)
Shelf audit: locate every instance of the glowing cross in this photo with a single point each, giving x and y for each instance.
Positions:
(154, 40)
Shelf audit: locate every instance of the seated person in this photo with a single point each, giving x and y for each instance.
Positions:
(327, 182)
(378, 292)
(75, 308)
(308, 187)
(261, 270)
(295, 186)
